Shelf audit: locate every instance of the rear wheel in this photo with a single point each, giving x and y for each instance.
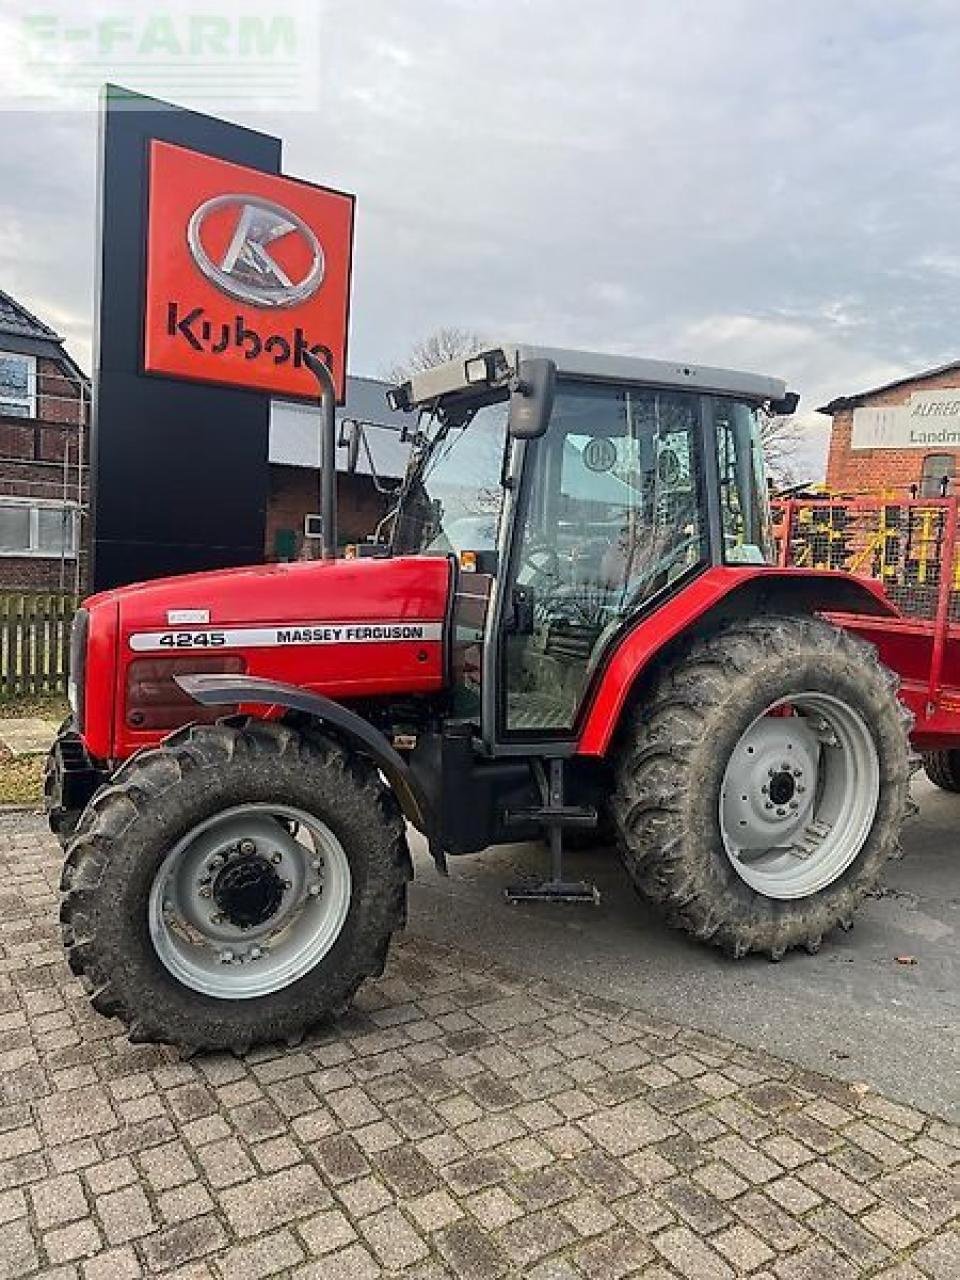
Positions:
(943, 769)
(234, 886)
(763, 783)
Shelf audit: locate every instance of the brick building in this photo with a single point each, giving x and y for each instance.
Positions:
(897, 438)
(44, 413)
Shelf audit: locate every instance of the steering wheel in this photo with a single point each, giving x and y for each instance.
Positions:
(539, 564)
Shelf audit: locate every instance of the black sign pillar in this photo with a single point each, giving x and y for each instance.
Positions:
(179, 469)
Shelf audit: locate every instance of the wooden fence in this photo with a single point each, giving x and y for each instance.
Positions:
(34, 643)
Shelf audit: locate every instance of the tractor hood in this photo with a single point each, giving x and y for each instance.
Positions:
(349, 629)
(409, 586)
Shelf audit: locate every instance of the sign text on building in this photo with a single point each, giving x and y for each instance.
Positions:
(928, 419)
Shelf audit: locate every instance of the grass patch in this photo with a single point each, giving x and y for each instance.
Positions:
(21, 779)
(50, 706)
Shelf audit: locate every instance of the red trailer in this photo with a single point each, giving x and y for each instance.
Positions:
(910, 546)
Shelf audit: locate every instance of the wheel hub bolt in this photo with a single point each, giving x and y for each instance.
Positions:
(315, 891)
(801, 790)
(276, 857)
(205, 891)
(286, 884)
(255, 953)
(226, 957)
(771, 773)
(247, 847)
(781, 813)
(768, 805)
(798, 773)
(215, 864)
(764, 790)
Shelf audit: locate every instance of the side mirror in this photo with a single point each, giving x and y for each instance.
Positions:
(531, 399)
(350, 433)
(787, 406)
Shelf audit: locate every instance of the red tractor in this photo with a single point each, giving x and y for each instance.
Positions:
(576, 618)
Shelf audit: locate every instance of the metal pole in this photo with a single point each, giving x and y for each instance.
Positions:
(79, 527)
(64, 513)
(328, 454)
(783, 558)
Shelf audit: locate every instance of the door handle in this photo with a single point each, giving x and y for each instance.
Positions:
(521, 621)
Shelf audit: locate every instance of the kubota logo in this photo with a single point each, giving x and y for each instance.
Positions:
(249, 268)
(247, 271)
(200, 333)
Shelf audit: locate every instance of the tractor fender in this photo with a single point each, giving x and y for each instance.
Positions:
(717, 595)
(233, 690)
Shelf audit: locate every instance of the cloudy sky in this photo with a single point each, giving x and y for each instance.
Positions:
(771, 184)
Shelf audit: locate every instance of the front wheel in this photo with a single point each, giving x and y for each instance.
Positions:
(762, 786)
(61, 815)
(234, 886)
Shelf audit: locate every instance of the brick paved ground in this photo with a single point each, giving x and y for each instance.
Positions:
(463, 1121)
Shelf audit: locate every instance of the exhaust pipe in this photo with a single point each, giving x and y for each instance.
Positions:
(328, 454)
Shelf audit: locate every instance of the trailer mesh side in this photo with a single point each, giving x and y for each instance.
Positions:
(906, 544)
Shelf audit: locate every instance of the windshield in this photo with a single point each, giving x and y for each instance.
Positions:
(452, 493)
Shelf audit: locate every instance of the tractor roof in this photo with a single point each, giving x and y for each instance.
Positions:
(449, 378)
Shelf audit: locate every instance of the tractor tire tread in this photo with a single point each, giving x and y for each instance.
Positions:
(943, 769)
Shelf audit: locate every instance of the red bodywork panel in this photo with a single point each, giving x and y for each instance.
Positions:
(349, 629)
(906, 645)
(681, 614)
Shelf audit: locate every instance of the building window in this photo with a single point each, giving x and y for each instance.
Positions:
(47, 530)
(939, 470)
(18, 385)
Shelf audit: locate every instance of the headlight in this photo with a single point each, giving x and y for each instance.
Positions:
(155, 701)
(76, 674)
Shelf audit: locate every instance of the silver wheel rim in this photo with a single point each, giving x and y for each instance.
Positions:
(248, 862)
(799, 795)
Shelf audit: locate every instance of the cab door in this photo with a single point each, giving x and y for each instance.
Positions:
(609, 516)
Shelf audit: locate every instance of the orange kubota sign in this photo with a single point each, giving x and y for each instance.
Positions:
(245, 272)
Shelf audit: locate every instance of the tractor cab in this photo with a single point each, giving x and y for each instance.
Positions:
(577, 493)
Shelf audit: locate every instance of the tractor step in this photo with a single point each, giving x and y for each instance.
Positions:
(568, 815)
(554, 816)
(553, 891)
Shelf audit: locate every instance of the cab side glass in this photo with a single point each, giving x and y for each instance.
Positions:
(613, 517)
